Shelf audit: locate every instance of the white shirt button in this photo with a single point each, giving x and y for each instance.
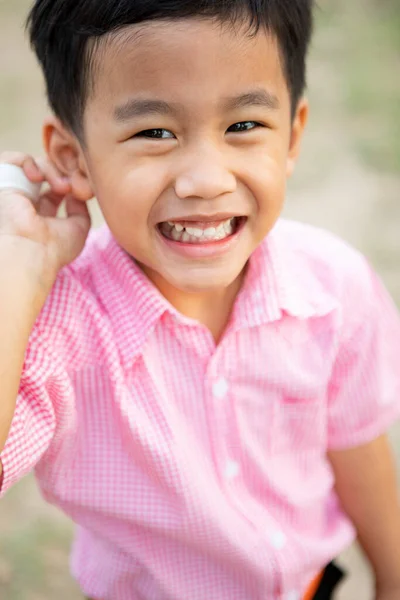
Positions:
(278, 539)
(232, 470)
(293, 595)
(220, 388)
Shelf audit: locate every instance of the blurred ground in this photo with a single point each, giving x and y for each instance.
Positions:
(348, 181)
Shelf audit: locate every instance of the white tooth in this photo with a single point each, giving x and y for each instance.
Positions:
(185, 237)
(194, 231)
(176, 235)
(221, 229)
(210, 232)
(171, 224)
(228, 228)
(178, 227)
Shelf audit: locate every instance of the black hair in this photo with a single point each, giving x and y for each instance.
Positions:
(62, 33)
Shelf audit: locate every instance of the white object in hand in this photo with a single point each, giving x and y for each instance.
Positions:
(14, 178)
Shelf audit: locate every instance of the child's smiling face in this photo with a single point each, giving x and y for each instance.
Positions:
(189, 141)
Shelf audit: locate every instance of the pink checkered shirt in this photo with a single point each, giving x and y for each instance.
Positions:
(196, 471)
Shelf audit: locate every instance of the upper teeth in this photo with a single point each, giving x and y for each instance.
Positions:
(194, 231)
(184, 234)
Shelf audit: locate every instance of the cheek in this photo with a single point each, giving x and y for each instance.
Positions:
(267, 182)
(129, 194)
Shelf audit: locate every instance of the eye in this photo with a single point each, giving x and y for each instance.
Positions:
(244, 126)
(156, 134)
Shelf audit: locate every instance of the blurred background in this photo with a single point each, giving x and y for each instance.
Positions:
(348, 181)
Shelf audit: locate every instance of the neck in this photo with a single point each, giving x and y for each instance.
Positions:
(212, 309)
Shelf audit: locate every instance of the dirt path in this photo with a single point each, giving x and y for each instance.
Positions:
(333, 188)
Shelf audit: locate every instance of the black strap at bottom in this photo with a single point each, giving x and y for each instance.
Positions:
(331, 578)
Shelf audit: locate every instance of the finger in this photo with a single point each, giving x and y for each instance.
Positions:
(78, 212)
(13, 158)
(73, 231)
(56, 180)
(25, 162)
(38, 170)
(49, 204)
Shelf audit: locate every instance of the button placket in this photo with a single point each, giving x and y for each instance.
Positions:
(220, 388)
(232, 470)
(277, 539)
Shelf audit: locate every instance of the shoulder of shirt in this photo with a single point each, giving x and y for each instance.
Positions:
(318, 256)
(318, 245)
(69, 321)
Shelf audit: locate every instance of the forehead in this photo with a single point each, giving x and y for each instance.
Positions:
(188, 60)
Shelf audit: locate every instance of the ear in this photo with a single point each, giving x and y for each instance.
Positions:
(65, 152)
(298, 127)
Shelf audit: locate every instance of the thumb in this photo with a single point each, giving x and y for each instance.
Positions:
(72, 231)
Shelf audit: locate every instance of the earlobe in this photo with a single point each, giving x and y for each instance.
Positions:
(298, 127)
(64, 150)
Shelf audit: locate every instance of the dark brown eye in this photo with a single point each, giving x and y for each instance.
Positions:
(156, 134)
(243, 126)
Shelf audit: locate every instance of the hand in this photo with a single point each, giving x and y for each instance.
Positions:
(35, 228)
(390, 594)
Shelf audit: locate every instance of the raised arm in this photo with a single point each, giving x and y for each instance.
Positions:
(34, 245)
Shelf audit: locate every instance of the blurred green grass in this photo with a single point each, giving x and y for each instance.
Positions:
(34, 548)
(374, 81)
(369, 56)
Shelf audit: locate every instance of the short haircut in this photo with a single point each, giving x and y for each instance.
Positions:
(62, 33)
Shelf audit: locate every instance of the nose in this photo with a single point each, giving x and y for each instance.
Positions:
(206, 175)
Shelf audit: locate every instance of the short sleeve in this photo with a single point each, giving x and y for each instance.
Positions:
(34, 421)
(364, 390)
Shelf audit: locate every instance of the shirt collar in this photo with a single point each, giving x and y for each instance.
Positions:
(279, 280)
(134, 306)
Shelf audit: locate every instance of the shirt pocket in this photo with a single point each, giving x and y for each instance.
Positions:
(298, 425)
(275, 424)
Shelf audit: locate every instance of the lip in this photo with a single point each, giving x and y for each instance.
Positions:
(205, 218)
(208, 250)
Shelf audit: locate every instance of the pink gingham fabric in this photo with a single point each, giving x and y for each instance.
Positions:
(194, 471)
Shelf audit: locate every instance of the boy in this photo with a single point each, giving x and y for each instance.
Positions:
(203, 389)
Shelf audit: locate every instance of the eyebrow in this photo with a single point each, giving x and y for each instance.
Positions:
(259, 97)
(135, 107)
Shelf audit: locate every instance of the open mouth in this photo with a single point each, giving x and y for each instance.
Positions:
(201, 232)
